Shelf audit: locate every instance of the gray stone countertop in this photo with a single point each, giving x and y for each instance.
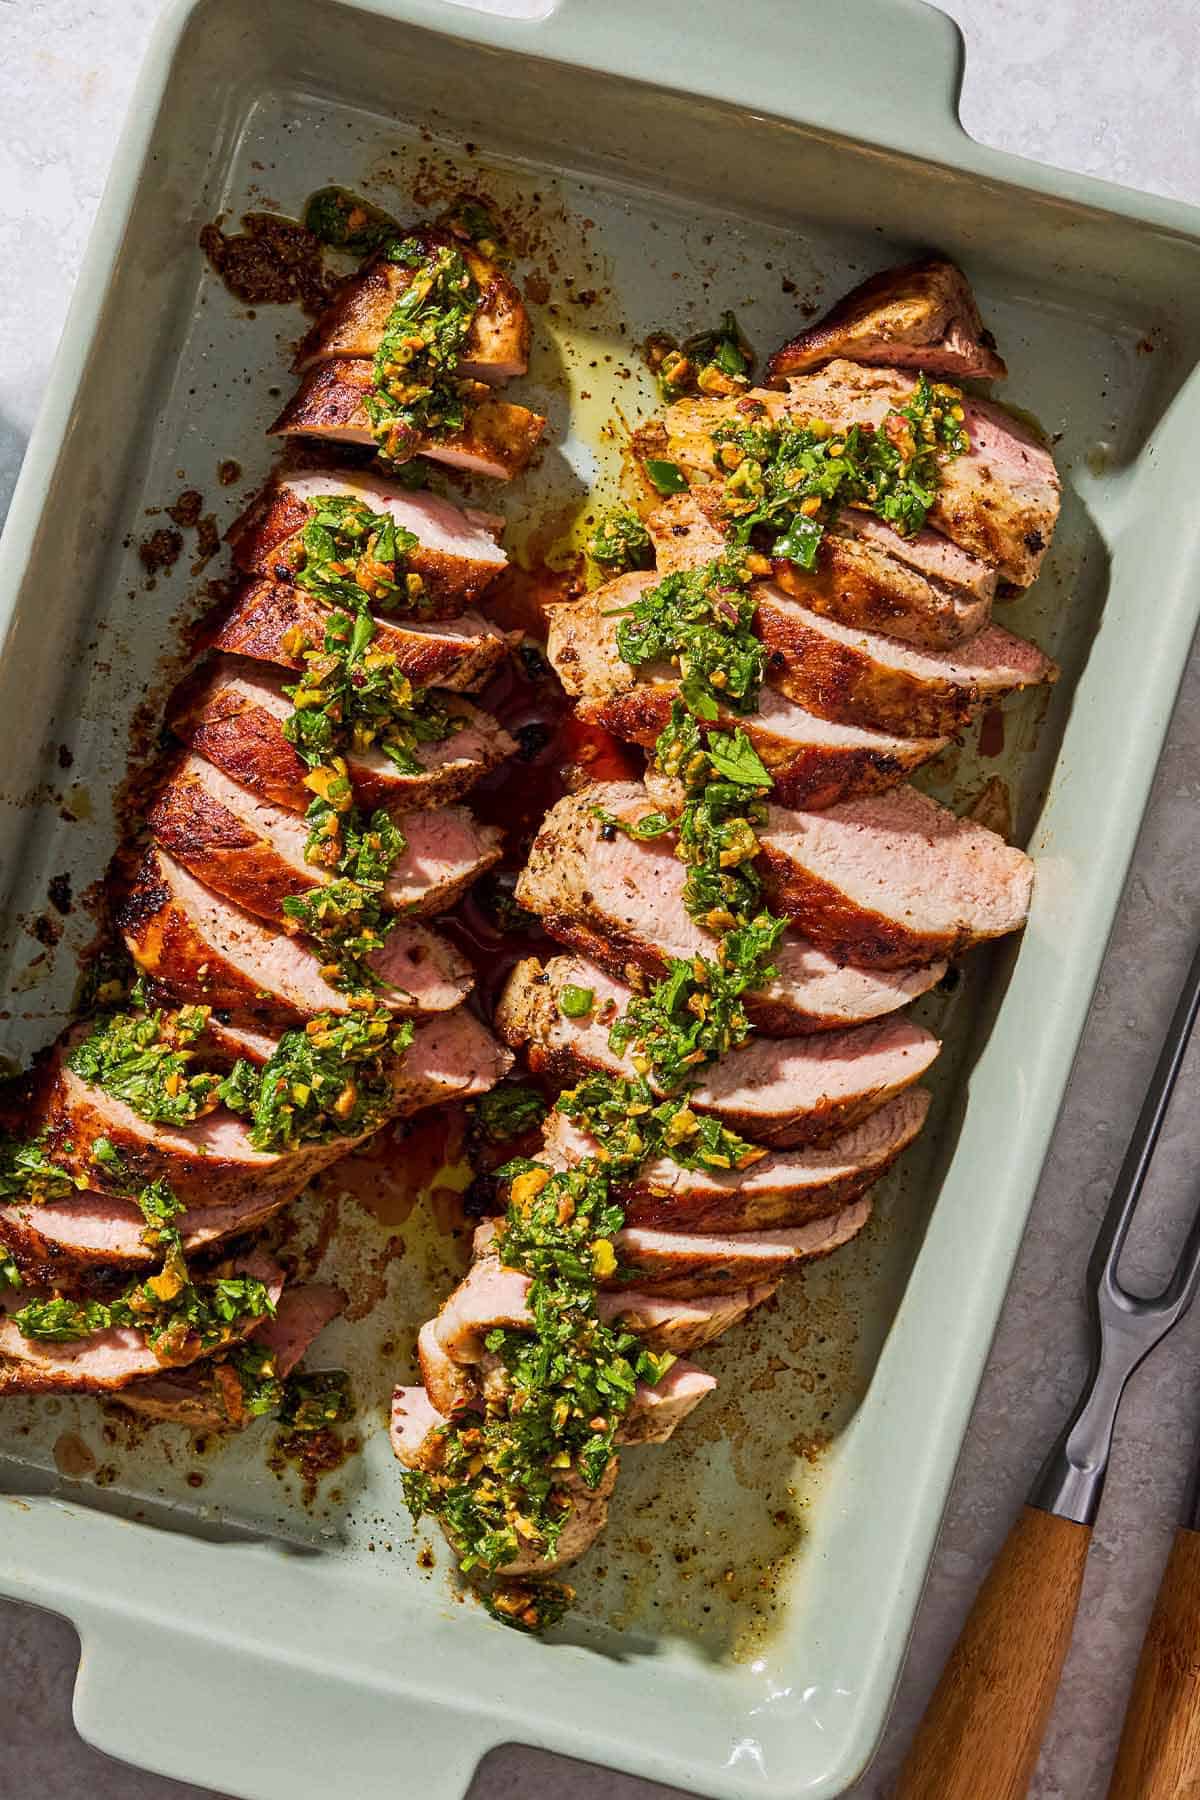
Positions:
(1085, 84)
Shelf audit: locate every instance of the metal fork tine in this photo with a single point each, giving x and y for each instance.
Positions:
(1125, 1326)
(1127, 1189)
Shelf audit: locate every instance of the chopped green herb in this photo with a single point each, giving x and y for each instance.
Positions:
(716, 361)
(416, 389)
(509, 1111)
(10, 1275)
(172, 1321)
(791, 479)
(576, 1002)
(312, 1402)
(354, 697)
(27, 1172)
(145, 1060)
(621, 542)
(348, 556)
(262, 1388)
(700, 619)
(667, 477)
(334, 1078)
(344, 221)
(349, 926)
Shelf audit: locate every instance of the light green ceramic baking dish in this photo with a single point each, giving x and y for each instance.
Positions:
(744, 1620)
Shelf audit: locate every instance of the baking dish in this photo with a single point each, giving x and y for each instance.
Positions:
(743, 1621)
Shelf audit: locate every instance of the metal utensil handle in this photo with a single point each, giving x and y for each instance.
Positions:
(1126, 1326)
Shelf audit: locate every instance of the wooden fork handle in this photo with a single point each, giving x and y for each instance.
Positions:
(980, 1737)
(1159, 1757)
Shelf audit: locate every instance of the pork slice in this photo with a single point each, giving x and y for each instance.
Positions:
(894, 880)
(450, 1347)
(681, 1326)
(233, 714)
(812, 761)
(195, 947)
(497, 440)
(775, 1093)
(919, 316)
(676, 1264)
(496, 346)
(923, 588)
(862, 678)
(687, 530)
(415, 1427)
(207, 1164)
(62, 1239)
(621, 902)
(106, 1360)
(253, 852)
(868, 577)
(999, 500)
(456, 554)
(659, 1410)
(785, 1188)
(198, 1397)
(271, 620)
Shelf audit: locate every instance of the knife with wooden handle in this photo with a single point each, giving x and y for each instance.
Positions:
(983, 1728)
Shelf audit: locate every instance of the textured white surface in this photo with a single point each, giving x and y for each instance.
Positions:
(1093, 86)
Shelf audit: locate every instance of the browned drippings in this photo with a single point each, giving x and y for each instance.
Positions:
(395, 1167)
(991, 732)
(271, 261)
(313, 1454)
(72, 1457)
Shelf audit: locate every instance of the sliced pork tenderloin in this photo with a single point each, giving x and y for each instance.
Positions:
(776, 1093)
(195, 947)
(497, 439)
(451, 1348)
(999, 500)
(416, 1428)
(274, 621)
(891, 881)
(233, 713)
(783, 1189)
(678, 1264)
(456, 554)
(208, 1396)
(621, 902)
(923, 588)
(878, 683)
(109, 1359)
(210, 1163)
(495, 349)
(921, 315)
(254, 853)
(62, 1240)
(812, 761)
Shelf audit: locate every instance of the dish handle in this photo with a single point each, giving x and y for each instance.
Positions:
(902, 60)
(208, 1710)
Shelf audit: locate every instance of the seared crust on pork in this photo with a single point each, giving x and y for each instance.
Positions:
(888, 882)
(275, 621)
(233, 713)
(197, 948)
(497, 344)
(254, 853)
(801, 1091)
(498, 439)
(456, 556)
(620, 902)
(920, 316)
